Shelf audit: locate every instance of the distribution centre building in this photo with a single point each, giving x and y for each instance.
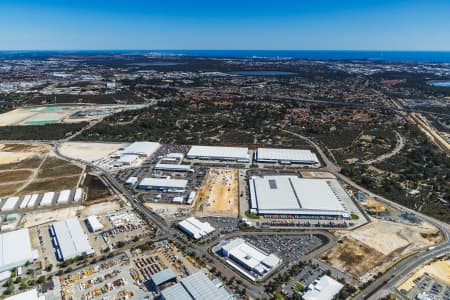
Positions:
(273, 155)
(194, 228)
(15, 249)
(196, 287)
(164, 184)
(299, 197)
(69, 239)
(143, 149)
(249, 257)
(173, 167)
(239, 154)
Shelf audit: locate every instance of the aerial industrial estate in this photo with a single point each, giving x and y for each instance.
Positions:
(156, 176)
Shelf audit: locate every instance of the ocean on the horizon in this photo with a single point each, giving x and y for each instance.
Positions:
(394, 56)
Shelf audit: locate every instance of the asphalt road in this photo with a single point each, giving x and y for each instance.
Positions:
(402, 269)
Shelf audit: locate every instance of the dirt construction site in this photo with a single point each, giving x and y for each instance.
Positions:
(218, 195)
(372, 248)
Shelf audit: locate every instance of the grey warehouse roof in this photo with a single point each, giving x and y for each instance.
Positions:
(163, 276)
(196, 286)
(216, 152)
(290, 155)
(293, 195)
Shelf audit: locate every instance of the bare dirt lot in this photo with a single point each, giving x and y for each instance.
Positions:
(14, 153)
(372, 248)
(89, 151)
(15, 175)
(438, 270)
(219, 194)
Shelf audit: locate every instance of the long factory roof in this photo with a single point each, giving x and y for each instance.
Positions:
(289, 155)
(218, 152)
(284, 194)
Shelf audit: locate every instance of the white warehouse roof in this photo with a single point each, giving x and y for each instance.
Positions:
(249, 256)
(219, 153)
(195, 228)
(140, 148)
(15, 249)
(323, 289)
(163, 183)
(284, 194)
(286, 155)
(72, 241)
(173, 167)
(94, 223)
(63, 197)
(47, 199)
(10, 203)
(28, 295)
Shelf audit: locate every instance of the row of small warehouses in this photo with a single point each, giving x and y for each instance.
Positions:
(46, 199)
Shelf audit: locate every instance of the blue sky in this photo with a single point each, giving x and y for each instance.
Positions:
(231, 24)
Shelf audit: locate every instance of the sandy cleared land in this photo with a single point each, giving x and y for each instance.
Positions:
(9, 189)
(14, 117)
(372, 248)
(219, 194)
(13, 153)
(100, 209)
(324, 175)
(387, 237)
(438, 270)
(45, 217)
(89, 151)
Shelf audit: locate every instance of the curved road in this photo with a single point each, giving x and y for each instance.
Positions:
(405, 266)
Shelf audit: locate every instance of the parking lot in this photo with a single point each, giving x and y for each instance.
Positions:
(290, 248)
(427, 285)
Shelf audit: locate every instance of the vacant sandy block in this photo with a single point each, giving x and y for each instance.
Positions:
(387, 237)
(353, 257)
(219, 193)
(438, 270)
(89, 151)
(46, 217)
(13, 153)
(14, 117)
(100, 209)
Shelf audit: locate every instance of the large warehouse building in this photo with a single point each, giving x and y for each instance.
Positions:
(300, 197)
(196, 287)
(164, 184)
(15, 249)
(194, 228)
(239, 154)
(249, 257)
(274, 155)
(69, 239)
(142, 149)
